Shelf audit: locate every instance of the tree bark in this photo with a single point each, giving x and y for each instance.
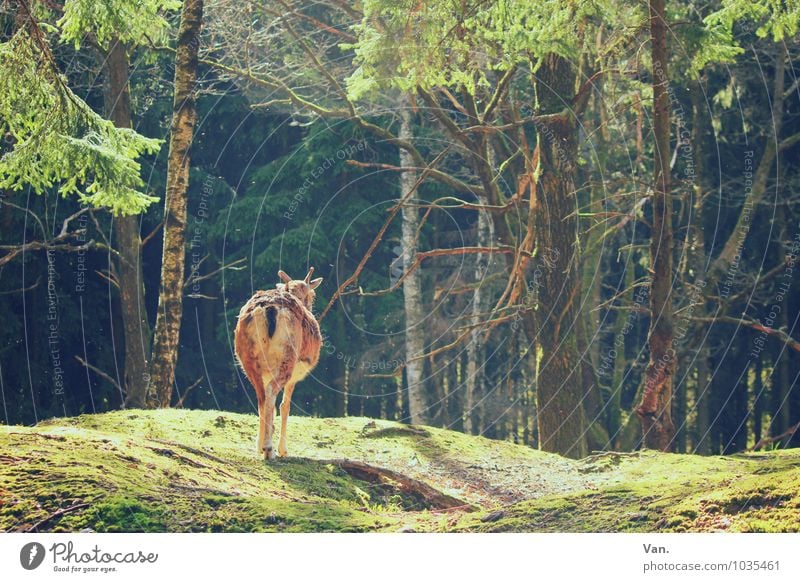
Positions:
(561, 417)
(597, 434)
(654, 410)
(700, 127)
(136, 328)
(473, 381)
(412, 292)
(184, 116)
(619, 362)
(733, 245)
(782, 383)
(758, 401)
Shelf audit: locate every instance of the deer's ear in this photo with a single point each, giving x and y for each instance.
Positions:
(284, 277)
(315, 283)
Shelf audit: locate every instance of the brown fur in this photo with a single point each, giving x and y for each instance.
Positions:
(279, 361)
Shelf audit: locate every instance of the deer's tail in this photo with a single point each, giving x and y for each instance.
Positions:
(271, 314)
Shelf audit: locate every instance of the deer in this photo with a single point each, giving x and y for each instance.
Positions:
(277, 342)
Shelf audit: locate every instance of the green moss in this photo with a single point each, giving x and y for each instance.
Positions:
(119, 514)
(667, 493)
(179, 470)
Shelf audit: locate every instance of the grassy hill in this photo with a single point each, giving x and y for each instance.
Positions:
(181, 470)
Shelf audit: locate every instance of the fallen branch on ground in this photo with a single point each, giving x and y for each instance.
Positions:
(432, 498)
(54, 515)
(787, 434)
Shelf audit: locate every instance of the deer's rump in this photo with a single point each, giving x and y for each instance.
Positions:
(275, 330)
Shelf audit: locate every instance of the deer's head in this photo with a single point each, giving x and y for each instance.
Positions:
(303, 289)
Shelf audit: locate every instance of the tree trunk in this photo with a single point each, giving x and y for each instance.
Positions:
(782, 383)
(592, 278)
(474, 372)
(734, 243)
(702, 390)
(412, 292)
(184, 116)
(136, 328)
(758, 402)
(618, 361)
(654, 408)
(697, 250)
(597, 434)
(561, 418)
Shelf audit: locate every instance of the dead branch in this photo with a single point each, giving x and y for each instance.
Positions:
(23, 289)
(27, 211)
(186, 392)
(463, 204)
(35, 527)
(194, 278)
(423, 255)
(444, 348)
(68, 219)
(778, 334)
(202, 296)
(320, 25)
(452, 99)
(311, 53)
(430, 497)
(771, 274)
(271, 103)
(608, 304)
(440, 176)
(441, 114)
(789, 142)
(55, 244)
(157, 227)
(465, 332)
(108, 276)
(465, 289)
(502, 88)
(787, 434)
(99, 372)
(101, 233)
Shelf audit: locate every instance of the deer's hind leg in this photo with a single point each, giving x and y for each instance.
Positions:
(266, 415)
(262, 395)
(279, 380)
(253, 374)
(286, 405)
(261, 433)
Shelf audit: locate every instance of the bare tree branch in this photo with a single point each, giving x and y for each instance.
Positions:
(778, 334)
(194, 278)
(23, 289)
(100, 373)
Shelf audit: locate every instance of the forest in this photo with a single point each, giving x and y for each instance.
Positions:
(568, 225)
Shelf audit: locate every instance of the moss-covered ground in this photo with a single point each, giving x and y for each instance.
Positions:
(181, 470)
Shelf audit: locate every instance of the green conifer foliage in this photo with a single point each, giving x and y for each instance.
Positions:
(55, 140)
